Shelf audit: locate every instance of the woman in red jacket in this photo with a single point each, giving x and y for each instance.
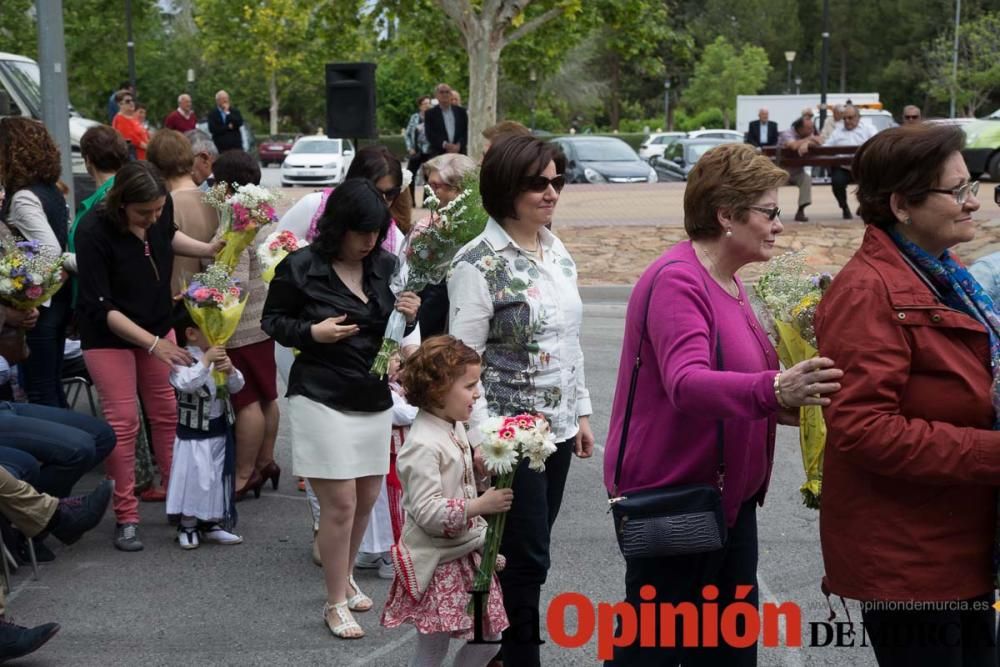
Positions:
(909, 509)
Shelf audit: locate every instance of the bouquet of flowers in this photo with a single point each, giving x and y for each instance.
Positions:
(29, 274)
(790, 295)
(507, 440)
(241, 216)
(274, 249)
(427, 254)
(216, 304)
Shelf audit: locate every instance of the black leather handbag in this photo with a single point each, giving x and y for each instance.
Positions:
(670, 520)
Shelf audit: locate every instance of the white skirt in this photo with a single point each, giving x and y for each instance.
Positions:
(335, 444)
(195, 487)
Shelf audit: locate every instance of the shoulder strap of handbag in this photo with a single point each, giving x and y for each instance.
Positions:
(626, 422)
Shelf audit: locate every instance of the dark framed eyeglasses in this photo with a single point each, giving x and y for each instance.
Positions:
(996, 195)
(128, 100)
(390, 194)
(771, 213)
(541, 184)
(911, 117)
(961, 193)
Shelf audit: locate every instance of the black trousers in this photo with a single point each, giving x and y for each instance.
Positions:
(525, 545)
(414, 164)
(681, 579)
(934, 638)
(839, 180)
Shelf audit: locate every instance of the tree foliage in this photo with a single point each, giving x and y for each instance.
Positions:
(723, 72)
(978, 64)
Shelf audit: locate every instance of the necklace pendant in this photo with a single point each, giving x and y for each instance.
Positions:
(145, 247)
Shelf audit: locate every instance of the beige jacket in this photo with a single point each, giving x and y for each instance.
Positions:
(435, 468)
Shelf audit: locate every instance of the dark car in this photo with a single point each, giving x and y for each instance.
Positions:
(602, 160)
(274, 149)
(678, 160)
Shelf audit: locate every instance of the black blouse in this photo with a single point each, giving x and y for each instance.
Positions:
(116, 274)
(305, 291)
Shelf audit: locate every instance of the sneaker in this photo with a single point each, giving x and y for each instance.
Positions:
(17, 641)
(75, 516)
(367, 561)
(187, 537)
(127, 537)
(386, 570)
(214, 533)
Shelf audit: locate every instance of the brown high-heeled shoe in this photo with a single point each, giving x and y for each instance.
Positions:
(271, 472)
(253, 485)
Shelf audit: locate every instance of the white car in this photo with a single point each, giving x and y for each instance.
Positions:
(731, 135)
(656, 143)
(317, 160)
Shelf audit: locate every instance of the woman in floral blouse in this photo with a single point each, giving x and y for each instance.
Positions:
(514, 299)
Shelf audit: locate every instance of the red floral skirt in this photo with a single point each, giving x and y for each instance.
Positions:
(442, 608)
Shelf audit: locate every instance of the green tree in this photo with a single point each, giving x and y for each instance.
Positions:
(978, 64)
(722, 73)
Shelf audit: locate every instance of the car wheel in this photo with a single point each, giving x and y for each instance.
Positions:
(994, 167)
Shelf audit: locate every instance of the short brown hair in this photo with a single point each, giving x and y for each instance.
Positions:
(122, 94)
(171, 152)
(509, 161)
(904, 160)
(429, 373)
(28, 154)
(103, 147)
(728, 177)
(505, 127)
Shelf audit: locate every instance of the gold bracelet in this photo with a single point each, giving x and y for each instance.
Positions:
(777, 392)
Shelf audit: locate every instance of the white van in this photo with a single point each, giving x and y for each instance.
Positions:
(21, 80)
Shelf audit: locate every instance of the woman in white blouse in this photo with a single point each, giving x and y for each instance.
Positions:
(514, 299)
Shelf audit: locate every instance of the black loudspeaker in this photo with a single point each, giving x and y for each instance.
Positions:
(350, 100)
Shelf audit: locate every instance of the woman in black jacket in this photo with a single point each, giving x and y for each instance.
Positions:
(331, 300)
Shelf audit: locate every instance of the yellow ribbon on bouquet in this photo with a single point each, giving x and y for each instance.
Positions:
(793, 348)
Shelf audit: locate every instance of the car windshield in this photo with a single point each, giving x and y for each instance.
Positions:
(604, 151)
(283, 138)
(313, 147)
(695, 151)
(24, 77)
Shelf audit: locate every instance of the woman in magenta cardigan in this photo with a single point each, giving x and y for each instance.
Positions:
(697, 306)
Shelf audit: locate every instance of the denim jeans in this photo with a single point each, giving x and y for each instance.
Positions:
(21, 465)
(525, 545)
(67, 444)
(41, 372)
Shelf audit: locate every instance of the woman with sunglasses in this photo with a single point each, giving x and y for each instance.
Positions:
(912, 460)
(514, 299)
(708, 393)
(127, 122)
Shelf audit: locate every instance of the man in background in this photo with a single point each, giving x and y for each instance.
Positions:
(446, 125)
(763, 132)
(183, 118)
(911, 115)
(224, 123)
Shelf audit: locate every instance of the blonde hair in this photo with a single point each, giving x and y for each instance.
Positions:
(728, 177)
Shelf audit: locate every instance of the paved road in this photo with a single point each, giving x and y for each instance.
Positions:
(260, 603)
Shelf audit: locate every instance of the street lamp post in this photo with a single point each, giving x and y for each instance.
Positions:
(534, 95)
(666, 105)
(790, 57)
(798, 84)
(190, 80)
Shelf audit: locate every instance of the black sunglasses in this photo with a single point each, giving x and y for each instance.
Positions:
(391, 193)
(911, 117)
(541, 184)
(771, 213)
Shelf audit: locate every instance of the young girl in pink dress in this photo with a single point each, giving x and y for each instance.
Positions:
(437, 556)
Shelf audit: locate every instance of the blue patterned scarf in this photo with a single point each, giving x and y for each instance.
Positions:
(961, 291)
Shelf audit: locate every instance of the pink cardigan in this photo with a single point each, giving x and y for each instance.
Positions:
(680, 395)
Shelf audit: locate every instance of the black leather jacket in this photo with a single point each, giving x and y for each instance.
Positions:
(306, 290)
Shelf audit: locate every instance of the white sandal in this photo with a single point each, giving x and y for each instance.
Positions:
(347, 627)
(359, 601)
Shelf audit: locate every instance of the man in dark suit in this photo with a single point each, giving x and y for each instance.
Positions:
(763, 132)
(447, 124)
(224, 123)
